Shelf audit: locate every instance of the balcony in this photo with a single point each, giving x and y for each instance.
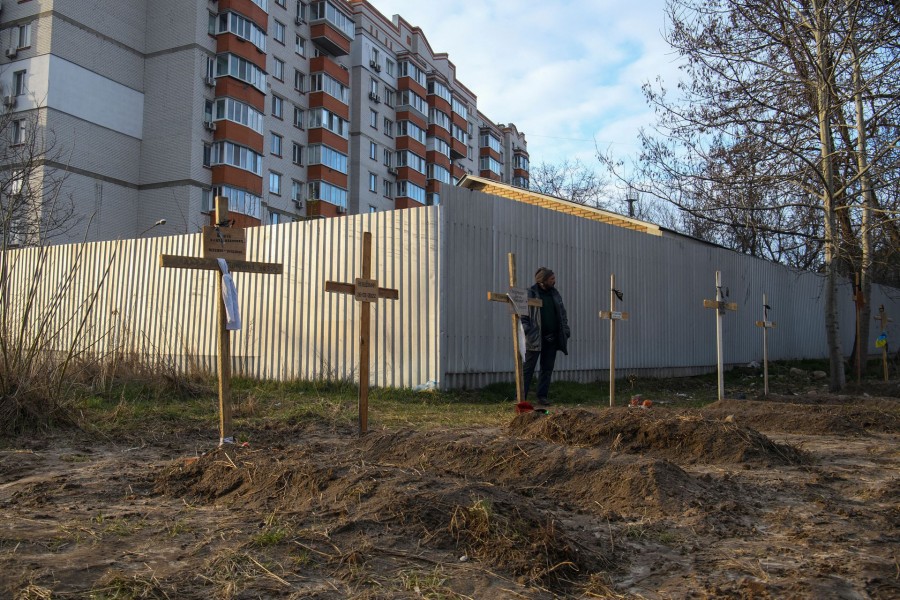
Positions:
(330, 38)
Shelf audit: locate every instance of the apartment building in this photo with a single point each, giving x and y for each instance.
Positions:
(291, 109)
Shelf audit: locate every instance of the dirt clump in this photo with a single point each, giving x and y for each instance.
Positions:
(813, 415)
(683, 438)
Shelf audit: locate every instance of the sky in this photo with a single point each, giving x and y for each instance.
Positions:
(567, 73)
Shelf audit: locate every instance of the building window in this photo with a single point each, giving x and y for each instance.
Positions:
(296, 190)
(230, 22)
(373, 86)
(373, 182)
(388, 156)
(233, 110)
(277, 107)
(372, 209)
(23, 40)
(411, 190)
(321, 190)
(297, 154)
(298, 117)
(274, 183)
(241, 69)
(388, 127)
(278, 32)
(322, 117)
(20, 130)
(281, 3)
(390, 96)
(207, 155)
(301, 10)
(373, 150)
(300, 46)
(275, 144)
(278, 71)
(388, 188)
(389, 66)
(19, 83)
(300, 81)
(320, 154)
(229, 153)
(373, 118)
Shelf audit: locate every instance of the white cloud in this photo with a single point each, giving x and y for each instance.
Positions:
(566, 73)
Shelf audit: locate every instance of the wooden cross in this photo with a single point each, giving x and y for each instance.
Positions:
(518, 301)
(364, 290)
(219, 242)
(721, 306)
(883, 321)
(766, 324)
(613, 315)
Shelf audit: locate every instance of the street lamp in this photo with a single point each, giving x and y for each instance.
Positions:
(157, 224)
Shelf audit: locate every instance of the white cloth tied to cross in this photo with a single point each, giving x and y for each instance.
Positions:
(229, 296)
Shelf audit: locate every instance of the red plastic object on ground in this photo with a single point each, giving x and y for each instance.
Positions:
(523, 407)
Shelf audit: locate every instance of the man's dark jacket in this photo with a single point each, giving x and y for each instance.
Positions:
(532, 323)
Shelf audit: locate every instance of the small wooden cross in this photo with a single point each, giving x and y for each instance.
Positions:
(766, 324)
(364, 290)
(721, 306)
(518, 301)
(883, 321)
(613, 315)
(224, 243)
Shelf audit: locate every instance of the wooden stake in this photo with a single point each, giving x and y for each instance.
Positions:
(518, 301)
(883, 321)
(860, 301)
(721, 306)
(766, 325)
(613, 316)
(366, 291)
(223, 357)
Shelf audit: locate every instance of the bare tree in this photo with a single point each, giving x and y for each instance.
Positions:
(570, 180)
(781, 139)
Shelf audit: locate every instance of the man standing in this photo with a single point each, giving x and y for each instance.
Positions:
(546, 331)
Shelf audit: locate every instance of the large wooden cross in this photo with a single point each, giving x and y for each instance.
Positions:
(883, 321)
(364, 290)
(219, 241)
(766, 324)
(518, 301)
(612, 315)
(721, 306)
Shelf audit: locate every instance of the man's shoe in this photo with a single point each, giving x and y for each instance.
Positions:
(543, 402)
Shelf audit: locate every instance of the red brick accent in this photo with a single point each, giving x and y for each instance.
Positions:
(228, 86)
(239, 134)
(317, 99)
(408, 83)
(240, 220)
(323, 173)
(320, 135)
(326, 35)
(321, 208)
(324, 64)
(248, 9)
(228, 42)
(239, 178)
(404, 142)
(411, 175)
(433, 156)
(440, 104)
(403, 202)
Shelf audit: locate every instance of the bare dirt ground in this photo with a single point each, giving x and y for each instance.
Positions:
(792, 497)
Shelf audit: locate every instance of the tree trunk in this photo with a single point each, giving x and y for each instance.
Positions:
(865, 266)
(823, 96)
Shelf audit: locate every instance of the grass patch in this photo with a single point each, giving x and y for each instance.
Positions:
(139, 409)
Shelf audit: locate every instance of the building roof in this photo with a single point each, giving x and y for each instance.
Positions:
(488, 186)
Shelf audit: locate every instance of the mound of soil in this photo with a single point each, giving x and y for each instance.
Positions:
(812, 415)
(678, 437)
(379, 500)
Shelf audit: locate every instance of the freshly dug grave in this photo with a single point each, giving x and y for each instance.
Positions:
(621, 503)
(814, 415)
(684, 438)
